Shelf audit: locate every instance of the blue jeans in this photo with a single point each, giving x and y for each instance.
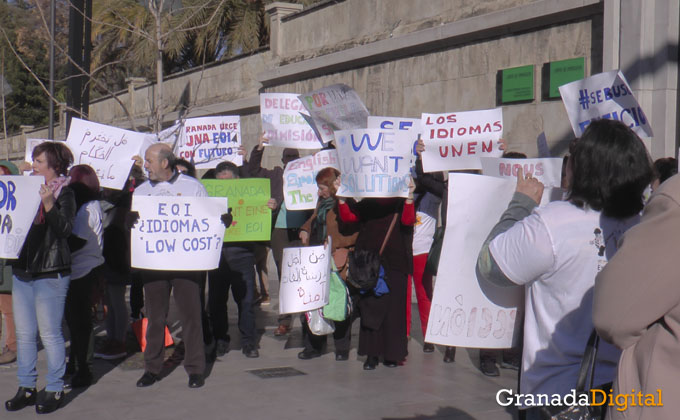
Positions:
(39, 307)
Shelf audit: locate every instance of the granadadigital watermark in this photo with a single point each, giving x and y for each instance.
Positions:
(594, 397)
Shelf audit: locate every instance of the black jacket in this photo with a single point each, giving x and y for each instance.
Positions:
(46, 248)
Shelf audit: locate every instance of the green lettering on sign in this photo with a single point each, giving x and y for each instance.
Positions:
(248, 202)
(563, 72)
(517, 84)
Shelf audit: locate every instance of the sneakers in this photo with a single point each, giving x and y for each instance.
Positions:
(264, 300)
(7, 356)
(428, 348)
(250, 351)
(488, 367)
(112, 350)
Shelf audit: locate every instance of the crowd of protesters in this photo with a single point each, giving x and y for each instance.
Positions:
(77, 253)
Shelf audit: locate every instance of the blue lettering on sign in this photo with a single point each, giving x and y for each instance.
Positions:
(365, 137)
(8, 200)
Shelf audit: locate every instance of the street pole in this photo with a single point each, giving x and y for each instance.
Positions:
(50, 129)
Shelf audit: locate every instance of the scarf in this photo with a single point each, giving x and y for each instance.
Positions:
(320, 221)
(55, 185)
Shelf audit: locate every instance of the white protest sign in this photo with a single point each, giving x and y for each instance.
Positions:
(30, 145)
(411, 125)
(336, 107)
(374, 163)
(282, 123)
(299, 179)
(207, 141)
(457, 140)
(548, 171)
(108, 150)
(19, 202)
(177, 233)
(466, 312)
(604, 95)
(169, 136)
(304, 278)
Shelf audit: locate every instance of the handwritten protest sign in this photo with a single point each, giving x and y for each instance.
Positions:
(248, 201)
(30, 145)
(283, 123)
(169, 136)
(336, 107)
(604, 95)
(19, 202)
(177, 233)
(207, 141)
(457, 140)
(299, 179)
(466, 312)
(304, 279)
(547, 170)
(108, 150)
(412, 125)
(374, 163)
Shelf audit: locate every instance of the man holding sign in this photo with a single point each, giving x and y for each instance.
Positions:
(165, 181)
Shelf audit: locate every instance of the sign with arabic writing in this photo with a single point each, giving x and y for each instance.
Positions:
(108, 150)
(304, 278)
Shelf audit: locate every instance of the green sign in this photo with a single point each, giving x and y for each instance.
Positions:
(248, 202)
(517, 84)
(565, 71)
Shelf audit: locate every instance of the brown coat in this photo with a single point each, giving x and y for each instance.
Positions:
(637, 307)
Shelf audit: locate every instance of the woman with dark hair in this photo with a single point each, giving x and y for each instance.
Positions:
(664, 168)
(383, 315)
(323, 223)
(41, 278)
(86, 258)
(557, 250)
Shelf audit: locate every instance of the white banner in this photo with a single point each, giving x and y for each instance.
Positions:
(30, 145)
(304, 278)
(299, 179)
(282, 123)
(108, 150)
(604, 95)
(374, 163)
(547, 170)
(466, 312)
(19, 202)
(332, 108)
(207, 141)
(457, 140)
(177, 233)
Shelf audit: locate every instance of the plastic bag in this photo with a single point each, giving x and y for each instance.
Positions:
(319, 325)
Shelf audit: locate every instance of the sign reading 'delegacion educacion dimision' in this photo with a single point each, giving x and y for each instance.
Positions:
(177, 233)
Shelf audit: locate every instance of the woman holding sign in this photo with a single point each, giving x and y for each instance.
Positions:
(41, 278)
(385, 224)
(557, 250)
(324, 223)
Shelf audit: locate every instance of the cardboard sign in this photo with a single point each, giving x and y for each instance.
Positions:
(283, 123)
(457, 140)
(336, 107)
(248, 201)
(19, 203)
(466, 312)
(412, 125)
(108, 150)
(304, 279)
(177, 233)
(299, 179)
(207, 141)
(374, 163)
(604, 95)
(548, 171)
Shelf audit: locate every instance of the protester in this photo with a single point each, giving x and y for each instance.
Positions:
(664, 168)
(636, 306)
(285, 232)
(40, 281)
(556, 252)
(185, 167)
(323, 223)
(9, 352)
(383, 314)
(86, 261)
(164, 181)
(236, 271)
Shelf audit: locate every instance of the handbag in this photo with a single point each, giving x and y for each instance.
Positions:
(336, 310)
(579, 412)
(435, 251)
(6, 277)
(364, 265)
(319, 325)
